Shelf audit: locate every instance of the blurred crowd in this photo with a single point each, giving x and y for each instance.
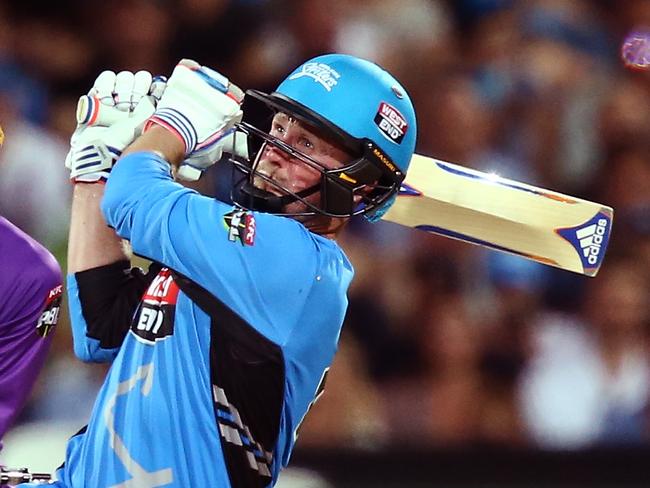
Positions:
(445, 343)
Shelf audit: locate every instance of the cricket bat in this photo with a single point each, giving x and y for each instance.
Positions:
(502, 214)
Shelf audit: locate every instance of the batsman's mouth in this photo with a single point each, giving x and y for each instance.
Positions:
(266, 186)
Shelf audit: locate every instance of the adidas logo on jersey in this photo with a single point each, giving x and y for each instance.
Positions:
(591, 239)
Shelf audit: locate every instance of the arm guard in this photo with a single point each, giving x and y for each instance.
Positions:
(103, 301)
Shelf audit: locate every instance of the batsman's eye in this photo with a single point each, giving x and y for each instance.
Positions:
(306, 143)
(278, 129)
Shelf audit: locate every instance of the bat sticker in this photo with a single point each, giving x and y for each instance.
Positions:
(590, 239)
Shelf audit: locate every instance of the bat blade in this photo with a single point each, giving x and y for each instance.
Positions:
(543, 225)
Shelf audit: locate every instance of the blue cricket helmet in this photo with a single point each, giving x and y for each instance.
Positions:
(360, 98)
(365, 109)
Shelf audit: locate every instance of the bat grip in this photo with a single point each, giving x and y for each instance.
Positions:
(92, 112)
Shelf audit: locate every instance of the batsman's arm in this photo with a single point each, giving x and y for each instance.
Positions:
(93, 249)
(103, 291)
(91, 243)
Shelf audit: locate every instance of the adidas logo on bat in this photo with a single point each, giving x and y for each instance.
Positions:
(591, 239)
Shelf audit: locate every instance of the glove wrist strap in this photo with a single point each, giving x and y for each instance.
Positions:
(177, 124)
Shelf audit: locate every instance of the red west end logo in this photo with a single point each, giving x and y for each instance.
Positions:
(155, 318)
(162, 290)
(391, 122)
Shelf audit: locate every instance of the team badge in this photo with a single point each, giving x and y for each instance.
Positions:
(50, 315)
(391, 122)
(241, 227)
(321, 73)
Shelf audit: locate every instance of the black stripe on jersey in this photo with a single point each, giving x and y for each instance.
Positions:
(248, 383)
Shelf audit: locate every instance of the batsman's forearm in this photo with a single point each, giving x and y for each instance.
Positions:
(91, 242)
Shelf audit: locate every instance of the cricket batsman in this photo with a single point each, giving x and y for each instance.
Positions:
(219, 350)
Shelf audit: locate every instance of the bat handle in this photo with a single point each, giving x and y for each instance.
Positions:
(92, 112)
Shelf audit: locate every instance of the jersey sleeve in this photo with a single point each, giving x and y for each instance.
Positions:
(31, 290)
(102, 302)
(253, 262)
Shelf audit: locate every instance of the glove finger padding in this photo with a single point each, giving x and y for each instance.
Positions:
(123, 92)
(104, 129)
(104, 87)
(142, 82)
(157, 88)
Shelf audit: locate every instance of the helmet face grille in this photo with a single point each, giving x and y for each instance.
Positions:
(357, 188)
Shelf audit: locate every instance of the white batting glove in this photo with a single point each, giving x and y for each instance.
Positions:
(201, 107)
(109, 118)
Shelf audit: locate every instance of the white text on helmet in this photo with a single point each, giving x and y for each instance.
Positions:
(320, 73)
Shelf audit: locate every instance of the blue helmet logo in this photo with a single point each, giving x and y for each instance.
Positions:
(360, 99)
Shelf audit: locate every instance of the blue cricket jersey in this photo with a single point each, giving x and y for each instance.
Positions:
(208, 390)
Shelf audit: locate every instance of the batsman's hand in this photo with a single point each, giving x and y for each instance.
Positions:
(201, 108)
(109, 118)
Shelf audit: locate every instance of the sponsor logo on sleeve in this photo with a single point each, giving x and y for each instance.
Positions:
(241, 227)
(319, 72)
(155, 318)
(50, 315)
(391, 122)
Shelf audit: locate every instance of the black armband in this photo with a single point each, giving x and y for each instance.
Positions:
(109, 296)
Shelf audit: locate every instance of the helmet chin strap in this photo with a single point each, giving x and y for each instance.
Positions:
(265, 201)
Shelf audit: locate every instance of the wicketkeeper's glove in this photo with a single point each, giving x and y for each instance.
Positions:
(201, 107)
(109, 118)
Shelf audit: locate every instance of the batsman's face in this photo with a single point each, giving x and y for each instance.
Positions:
(290, 172)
